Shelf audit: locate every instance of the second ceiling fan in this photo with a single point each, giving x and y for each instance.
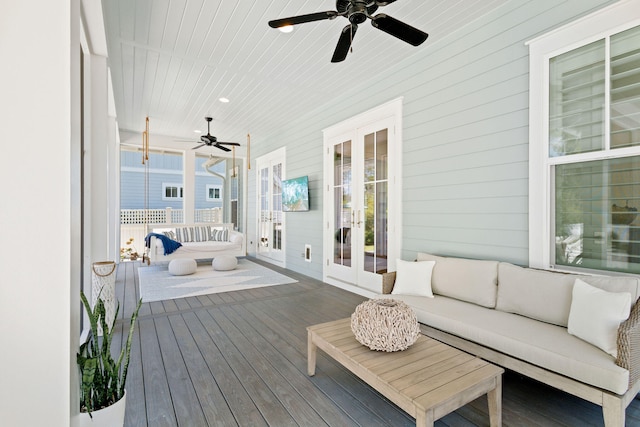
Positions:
(212, 141)
(358, 11)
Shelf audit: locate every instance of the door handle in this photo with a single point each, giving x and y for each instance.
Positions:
(359, 219)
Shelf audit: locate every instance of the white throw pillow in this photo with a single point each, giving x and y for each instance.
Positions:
(596, 315)
(413, 278)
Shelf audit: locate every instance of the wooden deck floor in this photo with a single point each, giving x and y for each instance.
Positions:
(239, 359)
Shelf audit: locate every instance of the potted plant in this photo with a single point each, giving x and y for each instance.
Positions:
(130, 252)
(102, 378)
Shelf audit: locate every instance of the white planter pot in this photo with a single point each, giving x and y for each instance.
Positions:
(112, 416)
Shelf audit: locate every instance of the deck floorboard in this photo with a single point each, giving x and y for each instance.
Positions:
(239, 359)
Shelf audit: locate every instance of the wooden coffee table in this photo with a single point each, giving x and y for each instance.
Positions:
(428, 380)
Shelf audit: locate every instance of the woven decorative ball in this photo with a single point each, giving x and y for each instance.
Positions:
(385, 325)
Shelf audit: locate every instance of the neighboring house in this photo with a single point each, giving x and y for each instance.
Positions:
(166, 188)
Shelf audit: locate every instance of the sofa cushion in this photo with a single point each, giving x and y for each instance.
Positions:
(542, 344)
(413, 278)
(541, 295)
(546, 295)
(596, 315)
(464, 279)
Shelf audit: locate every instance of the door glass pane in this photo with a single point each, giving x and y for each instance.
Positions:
(381, 154)
(597, 224)
(625, 88)
(343, 215)
(375, 202)
(264, 208)
(277, 207)
(369, 158)
(576, 100)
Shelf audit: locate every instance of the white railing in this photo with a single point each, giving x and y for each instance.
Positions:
(167, 216)
(132, 222)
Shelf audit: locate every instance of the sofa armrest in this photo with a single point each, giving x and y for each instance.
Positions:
(629, 344)
(236, 237)
(388, 280)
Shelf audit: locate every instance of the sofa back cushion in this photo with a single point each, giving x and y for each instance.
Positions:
(541, 295)
(546, 295)
(468, 280)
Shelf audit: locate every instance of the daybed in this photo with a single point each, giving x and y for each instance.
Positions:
(550, 326)
(199, 241)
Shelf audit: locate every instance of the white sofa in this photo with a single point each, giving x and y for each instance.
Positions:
(518, 318)
(196, 241)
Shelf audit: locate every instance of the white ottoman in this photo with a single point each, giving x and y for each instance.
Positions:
(182, 266)
(224, 262)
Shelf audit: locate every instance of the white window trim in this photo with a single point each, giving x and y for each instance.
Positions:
(213, 199)
(609, 20)
(180, 188)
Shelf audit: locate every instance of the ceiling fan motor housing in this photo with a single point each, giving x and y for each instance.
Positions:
(356, 10)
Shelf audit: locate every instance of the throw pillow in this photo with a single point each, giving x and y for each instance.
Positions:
(184, 234)
(170, 234)
(220, 235)
(595, 315)
(413, 278)
(201, 234)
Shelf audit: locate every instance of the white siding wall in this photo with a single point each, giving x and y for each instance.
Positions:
(465, 167)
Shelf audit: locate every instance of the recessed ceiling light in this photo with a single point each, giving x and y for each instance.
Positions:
(286, 28)
(224, 100)
(197, 131)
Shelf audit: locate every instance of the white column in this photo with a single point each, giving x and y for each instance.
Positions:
(99, 150)
(113, 177)
(188, 199)
(39, 302)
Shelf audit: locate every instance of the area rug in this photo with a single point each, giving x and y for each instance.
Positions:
(156, 284)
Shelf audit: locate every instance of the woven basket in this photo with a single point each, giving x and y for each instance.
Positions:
(385, 325)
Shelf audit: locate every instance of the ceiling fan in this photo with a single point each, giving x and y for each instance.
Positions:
(212, 141)
(358, 11)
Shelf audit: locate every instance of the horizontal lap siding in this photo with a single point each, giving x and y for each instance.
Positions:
(465, 136)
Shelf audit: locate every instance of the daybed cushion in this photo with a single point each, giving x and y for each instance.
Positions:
(542, 344)
(413, 278)
(546, 295)
(596, 315)
(464, 279)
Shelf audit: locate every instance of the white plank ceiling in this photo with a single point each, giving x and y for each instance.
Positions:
(172, 60)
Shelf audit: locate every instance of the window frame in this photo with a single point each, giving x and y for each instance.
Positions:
(214, 199)
(179, 188)
(605, 22)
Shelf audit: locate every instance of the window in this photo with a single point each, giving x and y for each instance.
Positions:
(172, 191)
(585, 144)
(214, 193)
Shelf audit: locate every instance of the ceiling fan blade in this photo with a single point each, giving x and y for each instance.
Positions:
(301, 19)
(229, 143)
(344, 43)
(222, 148)
(198, 146)
(399, 29)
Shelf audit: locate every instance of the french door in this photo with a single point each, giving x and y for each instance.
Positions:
(359, 169)
(270, 219)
